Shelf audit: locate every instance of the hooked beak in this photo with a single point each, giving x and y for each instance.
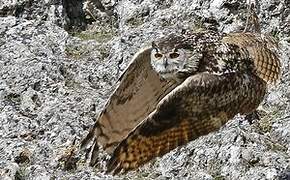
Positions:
(165, 62)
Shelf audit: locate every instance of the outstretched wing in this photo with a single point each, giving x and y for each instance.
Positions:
(198, 106)
(263, 50)
(140, 89)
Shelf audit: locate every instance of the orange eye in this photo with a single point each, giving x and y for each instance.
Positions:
(173, 55)
(158, 55)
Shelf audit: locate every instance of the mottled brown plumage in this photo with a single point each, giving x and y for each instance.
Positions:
(200, 105)
(139, 87)
(147, 116)
(262, 50)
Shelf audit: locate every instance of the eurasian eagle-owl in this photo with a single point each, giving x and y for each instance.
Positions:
(182, 87)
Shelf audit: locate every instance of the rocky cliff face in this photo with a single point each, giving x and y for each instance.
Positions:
(59, 61)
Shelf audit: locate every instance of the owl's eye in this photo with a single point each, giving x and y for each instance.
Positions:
(173, 55)
(158, 55)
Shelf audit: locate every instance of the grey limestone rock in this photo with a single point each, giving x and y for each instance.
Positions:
(53, 83)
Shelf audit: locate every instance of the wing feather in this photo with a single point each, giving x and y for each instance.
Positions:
(140, 89)
(198, 106)
(263, 50)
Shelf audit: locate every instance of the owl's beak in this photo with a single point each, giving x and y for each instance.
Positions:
(165, 62)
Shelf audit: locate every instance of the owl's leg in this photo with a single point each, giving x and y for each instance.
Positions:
(252, 23)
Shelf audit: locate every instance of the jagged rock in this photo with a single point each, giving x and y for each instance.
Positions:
(54, 83)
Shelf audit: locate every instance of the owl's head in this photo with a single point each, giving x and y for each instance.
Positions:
(172, 59)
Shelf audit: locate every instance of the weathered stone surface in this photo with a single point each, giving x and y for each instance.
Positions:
(54, 83)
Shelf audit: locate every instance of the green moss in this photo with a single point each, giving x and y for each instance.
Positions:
(266, 121)
(265, 124)
(276, 34)
(101, 36)
(142, 175)
(14, 97)
(103, 51)
(219, 177)
(20, 174)
(278, 147)
(135, 22)
(198, 25)
(74, 52)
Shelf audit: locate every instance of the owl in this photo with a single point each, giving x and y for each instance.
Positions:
(185, 85)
